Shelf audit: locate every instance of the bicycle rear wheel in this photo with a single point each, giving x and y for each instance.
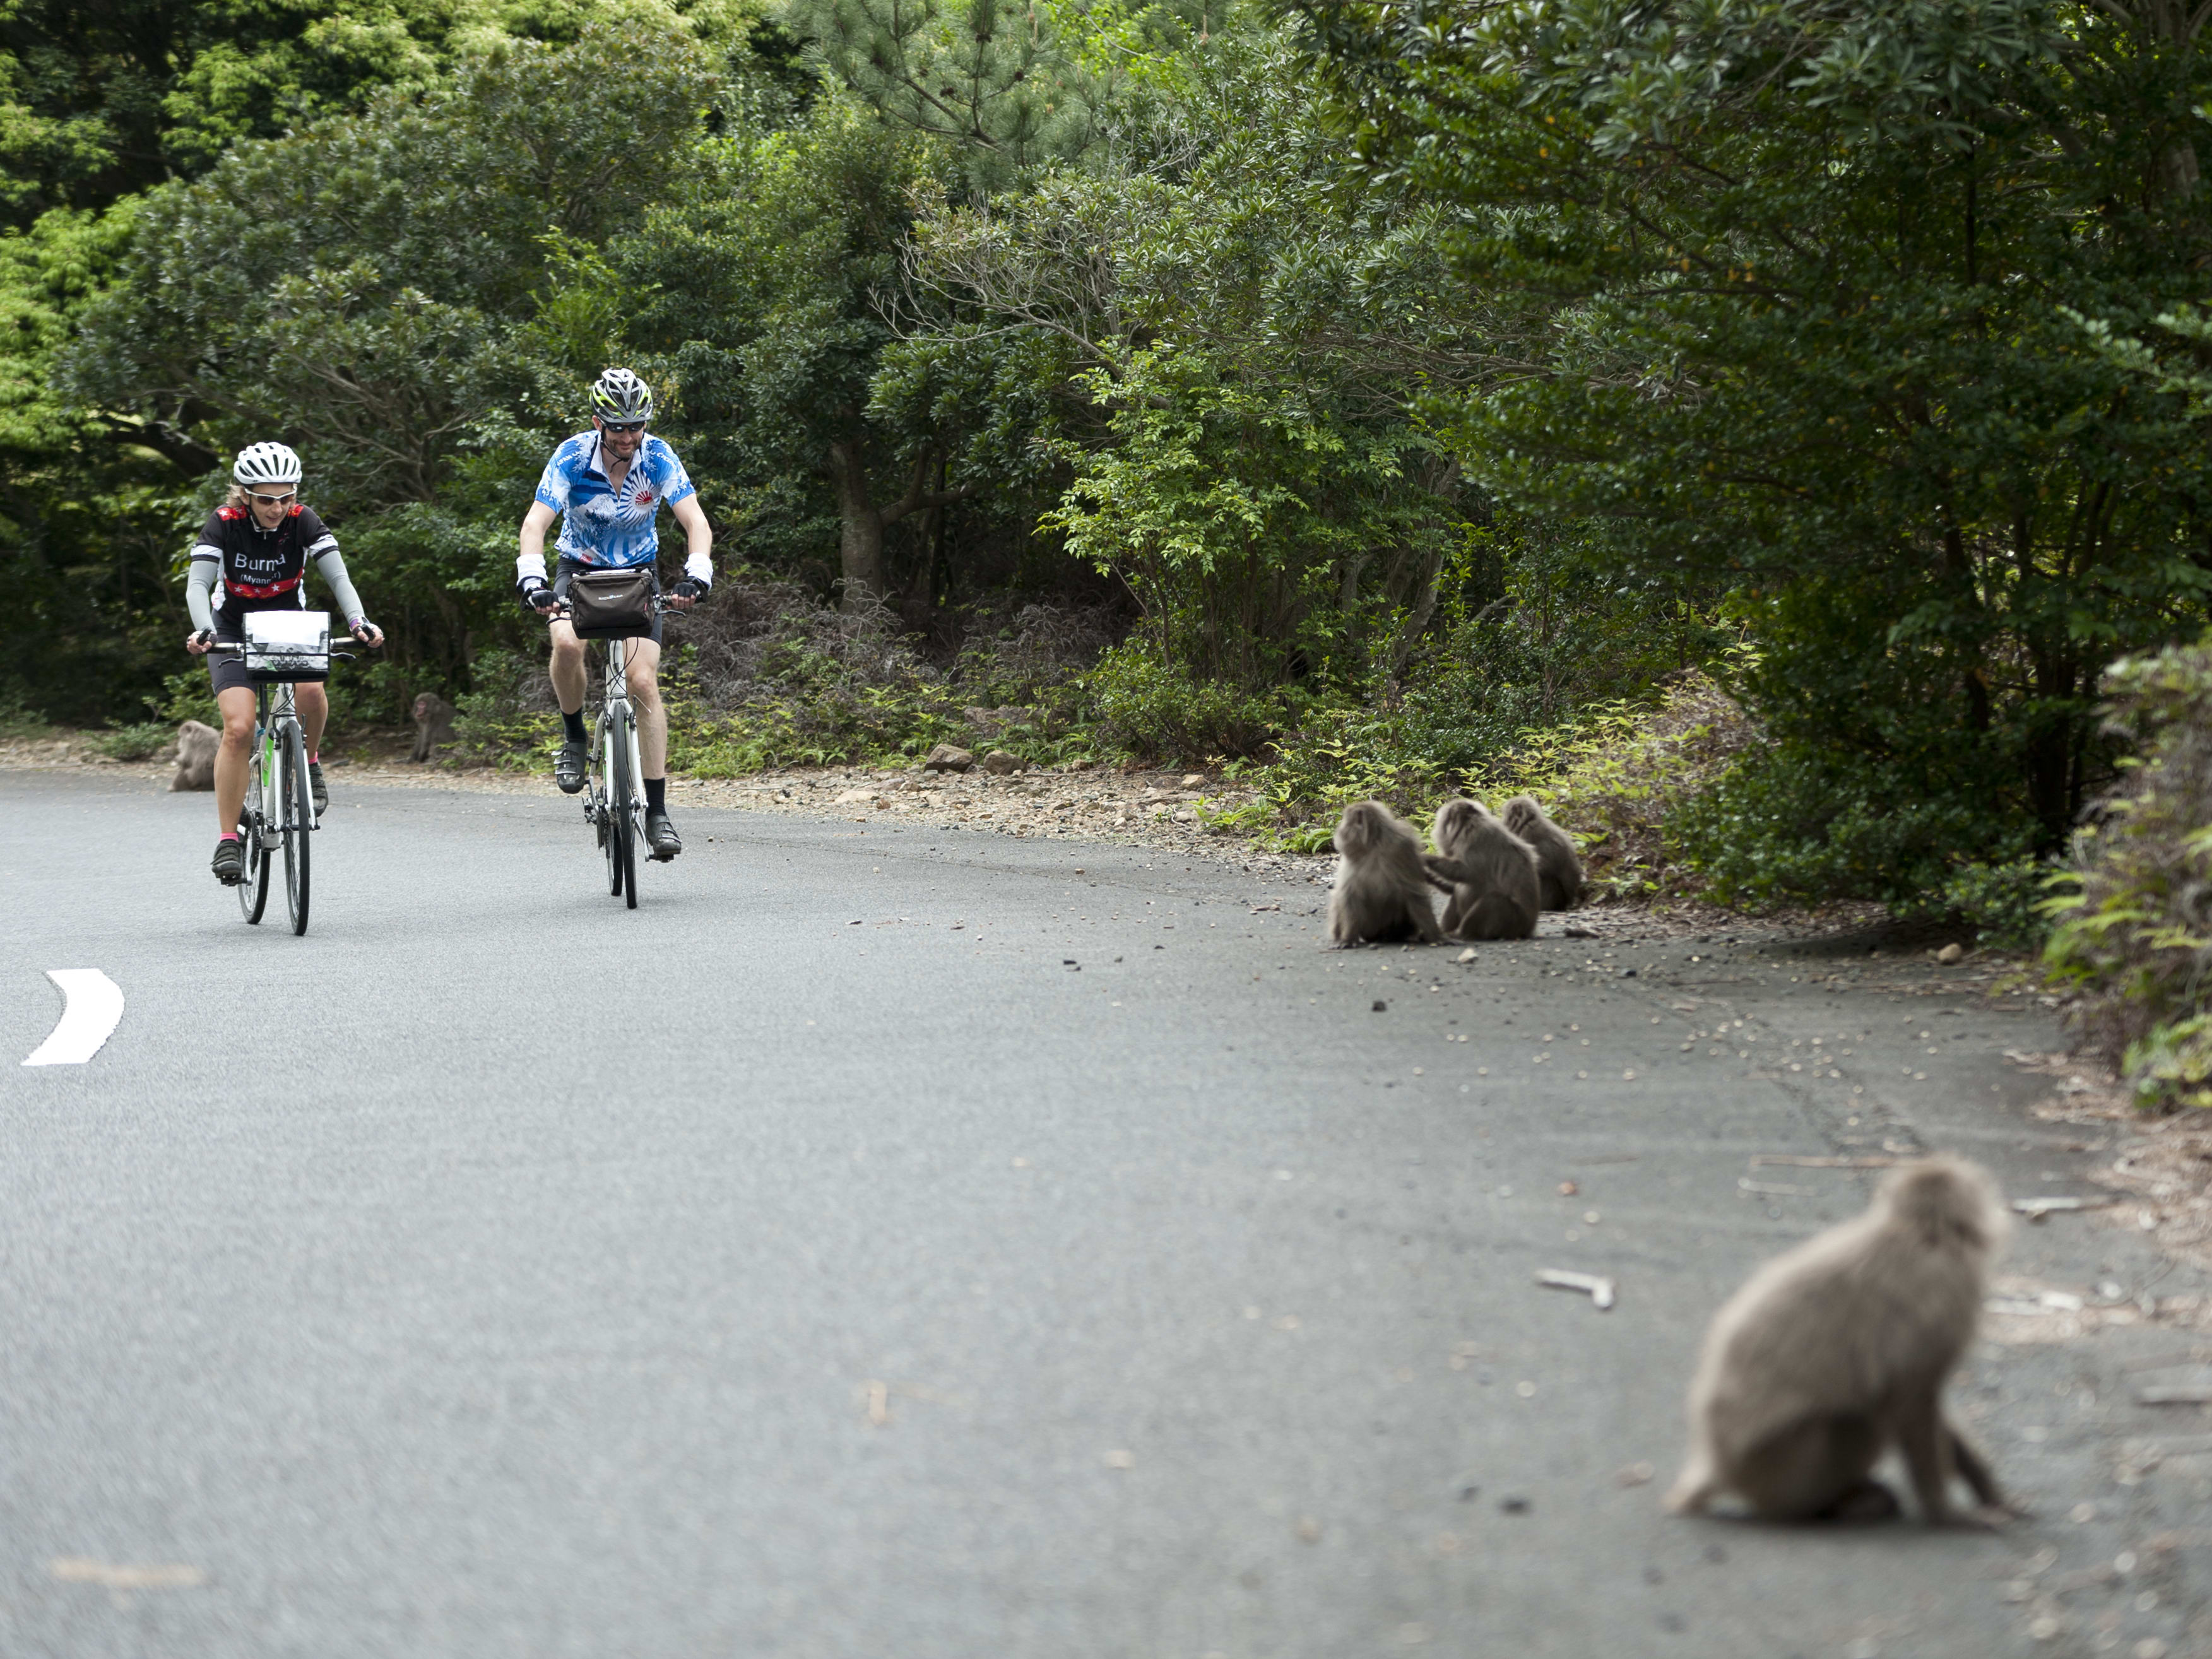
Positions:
(297, 804)
(622, 838)
(253, 892)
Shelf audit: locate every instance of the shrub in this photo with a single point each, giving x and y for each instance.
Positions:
(510, 717)
(135, 742)
(2006, 903)
(1793, 823)
(1621, 777)
(2134, 939)
(1155, 712)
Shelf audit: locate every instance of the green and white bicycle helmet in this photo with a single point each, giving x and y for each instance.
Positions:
(265, 464)
(619, 395)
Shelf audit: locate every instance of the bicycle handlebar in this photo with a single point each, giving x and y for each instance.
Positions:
(562, 612)
(236, 648)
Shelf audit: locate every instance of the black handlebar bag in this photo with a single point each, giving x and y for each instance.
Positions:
(613, 605)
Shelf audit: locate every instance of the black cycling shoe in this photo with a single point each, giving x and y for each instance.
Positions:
(317, 788)
(229, 864)
(569, 766)
(660, 835)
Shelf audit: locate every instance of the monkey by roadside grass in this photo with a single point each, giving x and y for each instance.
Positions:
(1490, 872)
(1558, 867)
(1381, 891)
(1836, 1349)
(196, 747)
(434, 725)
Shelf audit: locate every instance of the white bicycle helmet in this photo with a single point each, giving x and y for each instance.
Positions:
(619, 395)
(265, 464)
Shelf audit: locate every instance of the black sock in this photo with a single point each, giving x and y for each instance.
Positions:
(656, 795)
(574, 723)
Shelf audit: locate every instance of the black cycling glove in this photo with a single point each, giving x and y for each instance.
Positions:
(538, 594)
(205, 636)
(690, 588)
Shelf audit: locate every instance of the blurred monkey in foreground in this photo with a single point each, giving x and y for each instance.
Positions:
(1838, 1349)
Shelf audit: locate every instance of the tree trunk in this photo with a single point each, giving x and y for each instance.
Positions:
(860, 527)
(1417, 620)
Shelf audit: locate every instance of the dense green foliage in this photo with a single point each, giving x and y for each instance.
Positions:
(1803, 277)
(2135, 938)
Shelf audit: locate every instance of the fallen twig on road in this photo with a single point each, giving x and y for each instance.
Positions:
(1597, 1288)
(1796, 1162)
(2036, 1208)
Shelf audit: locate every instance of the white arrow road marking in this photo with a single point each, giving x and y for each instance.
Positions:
(92, 1007)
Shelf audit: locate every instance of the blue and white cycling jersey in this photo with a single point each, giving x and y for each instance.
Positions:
(602, 525)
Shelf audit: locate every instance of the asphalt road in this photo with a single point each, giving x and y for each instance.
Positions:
(1068, 1260)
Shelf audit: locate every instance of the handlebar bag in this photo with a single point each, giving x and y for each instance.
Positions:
(612, 604)
(287, 645)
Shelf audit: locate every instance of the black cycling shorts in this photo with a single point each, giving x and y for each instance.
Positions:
(565, 572)
(227, 668)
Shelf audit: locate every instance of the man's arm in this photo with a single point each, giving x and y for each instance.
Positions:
(698, 540)
(698, 558)
(529, 560)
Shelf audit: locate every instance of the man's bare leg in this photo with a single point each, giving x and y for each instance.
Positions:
(643, 671)
(567, 667)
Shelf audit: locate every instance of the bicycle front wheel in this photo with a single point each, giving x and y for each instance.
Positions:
(295, 801)
(622, 790)
(253, 892)
(610, 808)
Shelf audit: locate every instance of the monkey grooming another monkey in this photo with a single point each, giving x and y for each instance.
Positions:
(196, 747)
(1382, 892)
(1558, 867)
(434, 725)
(1490, 872)
(1836, 1349)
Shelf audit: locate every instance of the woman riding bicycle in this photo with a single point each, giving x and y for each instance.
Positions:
(251, 555)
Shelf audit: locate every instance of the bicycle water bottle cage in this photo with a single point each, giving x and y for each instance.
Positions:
(288, 645)
(612, 604)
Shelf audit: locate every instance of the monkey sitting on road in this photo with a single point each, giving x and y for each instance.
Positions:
(1490, 872)
(1382, 892)
(1836, 1349)
(434, 725)
(196, 747)
(1558, 867)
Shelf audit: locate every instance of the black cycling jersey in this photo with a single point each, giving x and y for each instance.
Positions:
(261, 569)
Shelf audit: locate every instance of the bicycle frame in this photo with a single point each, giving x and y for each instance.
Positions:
(620, 825)
(270, 725)
(617, 697)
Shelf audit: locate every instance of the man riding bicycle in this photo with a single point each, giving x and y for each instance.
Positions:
(605, 486)
(251, 555)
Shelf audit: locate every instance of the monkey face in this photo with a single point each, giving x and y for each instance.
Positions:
(1358, 830)
(1457, 819)
(1949, 1201)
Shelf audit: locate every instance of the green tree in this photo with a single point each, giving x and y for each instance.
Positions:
(1249, 338)
(101, 102)
(766, 291)
(370, 289)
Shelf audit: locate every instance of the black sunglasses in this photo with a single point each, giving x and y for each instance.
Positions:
(623, 426)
